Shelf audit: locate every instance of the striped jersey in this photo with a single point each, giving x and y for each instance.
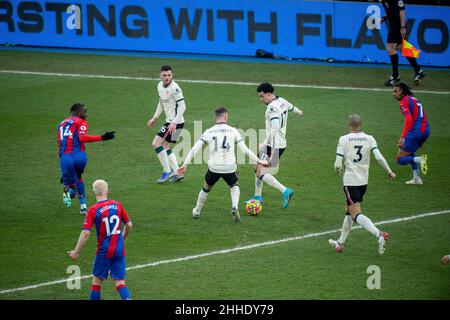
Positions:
(69, 132)
(414, 114)
(169, 97)
(355, 148)
(107, 216)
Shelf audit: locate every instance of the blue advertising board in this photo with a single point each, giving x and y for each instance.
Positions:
(291, 28)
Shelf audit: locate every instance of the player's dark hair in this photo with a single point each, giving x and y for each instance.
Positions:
(405, 89)
(220, 111)
(265, 87)
(166, 68)
(76, 107)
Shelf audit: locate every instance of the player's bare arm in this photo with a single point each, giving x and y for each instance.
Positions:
(84, 237)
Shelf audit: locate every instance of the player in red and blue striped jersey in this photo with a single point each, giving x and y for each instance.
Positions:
(416, 131)
(72, 135)
(107, 216)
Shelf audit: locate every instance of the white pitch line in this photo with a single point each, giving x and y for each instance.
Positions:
(100, 76)
(225, 251)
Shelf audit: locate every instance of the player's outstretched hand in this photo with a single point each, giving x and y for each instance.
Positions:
(108, 135)
(73, 255)
(181, 170)
(391, 175)
(445, 259)
(338, 171)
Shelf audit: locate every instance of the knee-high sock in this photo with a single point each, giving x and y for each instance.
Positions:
(95, 292)
(411, 161)
(172, 160)
(367, 224)
(414, 64)
(235, 192)
(346, 226)
(258, 186)
(163, 159)
(123, 292)
(202, 196)
(271, 181)
(81, 192)
(394, 63)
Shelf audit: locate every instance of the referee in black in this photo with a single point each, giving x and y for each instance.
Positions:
(396, 18)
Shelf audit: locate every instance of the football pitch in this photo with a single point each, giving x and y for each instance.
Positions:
(279, 254)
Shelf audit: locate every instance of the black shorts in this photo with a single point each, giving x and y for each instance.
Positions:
(276, 157)
(212, 177)
(354, 194)
(394, 36)
(170, 137)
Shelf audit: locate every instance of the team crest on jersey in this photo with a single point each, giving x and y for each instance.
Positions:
(401, 4)
(83, 128)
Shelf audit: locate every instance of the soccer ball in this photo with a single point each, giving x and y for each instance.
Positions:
(253, 207)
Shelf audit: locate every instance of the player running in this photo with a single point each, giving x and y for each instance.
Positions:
(354, 148)
(221, 140)
(171, 101)
(72, 135)
(416, 131)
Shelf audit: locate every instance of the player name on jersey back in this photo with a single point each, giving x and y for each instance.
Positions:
(356, 147)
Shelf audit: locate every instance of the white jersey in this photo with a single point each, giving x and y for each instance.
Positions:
(169, 97)
(221, 140)
(277, 110)
(356, 147)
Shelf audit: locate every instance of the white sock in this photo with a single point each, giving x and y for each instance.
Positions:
(417, 159)
(83, 206)
(367, 224)
(258, 186)
(164, 160)
(416, 174)
(271, 181)
(346, 226)
(173, 162)
(235, 192)
(202, 196)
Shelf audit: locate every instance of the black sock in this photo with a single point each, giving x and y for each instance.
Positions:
(413, 62)
(394, 63)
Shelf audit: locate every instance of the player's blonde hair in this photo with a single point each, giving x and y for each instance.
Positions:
(100, 187)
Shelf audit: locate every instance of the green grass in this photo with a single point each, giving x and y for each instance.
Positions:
(36, 230)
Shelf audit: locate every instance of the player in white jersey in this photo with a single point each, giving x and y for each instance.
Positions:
(171, 101)
(275, 144)
(221, 140)
(355, 148)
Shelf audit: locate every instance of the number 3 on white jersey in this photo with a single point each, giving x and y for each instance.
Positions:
(114, 219)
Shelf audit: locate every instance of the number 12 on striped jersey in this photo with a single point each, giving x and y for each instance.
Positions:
(114, 219)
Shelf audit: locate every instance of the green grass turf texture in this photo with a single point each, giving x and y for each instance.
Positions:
(37, 230)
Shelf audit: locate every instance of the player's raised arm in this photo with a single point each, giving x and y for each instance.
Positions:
(296, 110)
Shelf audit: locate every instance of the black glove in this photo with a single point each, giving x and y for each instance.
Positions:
(108, 135)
